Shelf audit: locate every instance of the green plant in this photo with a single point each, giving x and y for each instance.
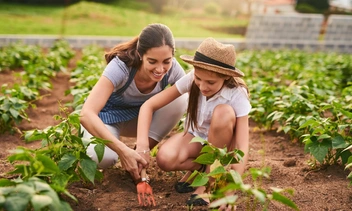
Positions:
(222, 182)
(327, 139)
(61, 160)
(66, 147)
(32, 194)
(12, 111)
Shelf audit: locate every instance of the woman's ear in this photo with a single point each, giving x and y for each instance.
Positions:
(140, 58)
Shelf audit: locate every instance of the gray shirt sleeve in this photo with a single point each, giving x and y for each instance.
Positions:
(117, 72)
(176, 72)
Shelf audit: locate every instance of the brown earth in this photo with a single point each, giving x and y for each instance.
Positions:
(324, 189)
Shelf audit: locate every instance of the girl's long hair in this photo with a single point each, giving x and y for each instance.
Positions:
(192, 110)
(131, 52)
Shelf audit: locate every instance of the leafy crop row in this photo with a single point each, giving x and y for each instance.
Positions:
(34, 69)
(306, 95)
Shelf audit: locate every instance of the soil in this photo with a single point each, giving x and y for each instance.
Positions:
(324, 189)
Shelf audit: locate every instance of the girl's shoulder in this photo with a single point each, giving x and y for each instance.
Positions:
(234, 93)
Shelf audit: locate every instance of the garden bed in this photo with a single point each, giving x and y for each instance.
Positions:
(321, 189)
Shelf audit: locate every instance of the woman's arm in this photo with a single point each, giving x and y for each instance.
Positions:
(91, 121)
(90, 110)
(146, 112)
(241, 142)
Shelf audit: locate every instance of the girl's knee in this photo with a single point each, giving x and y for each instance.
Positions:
(164, 159)
(224, 115)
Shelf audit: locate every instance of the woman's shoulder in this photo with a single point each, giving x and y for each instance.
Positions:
(117, 63)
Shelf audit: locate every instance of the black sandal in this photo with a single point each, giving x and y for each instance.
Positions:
(194, 201)
(185, 187)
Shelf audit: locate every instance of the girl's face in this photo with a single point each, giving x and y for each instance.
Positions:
(156, 62)
(208, 82)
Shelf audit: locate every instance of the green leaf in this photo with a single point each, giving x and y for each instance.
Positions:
(88, 168)
(66, 162)
(99, 150)
(5, 117)
(311, 122)
(346, 113)
(218, 170)
(226, 200)
(338, 142)
(237, 178)
(40, 201)
(259, 195)
(200, 180)
(34, 135)
(2, 200)
(349, 161)
(206, 149)
(49, 165)
(16, 203)
(345, 156)
(20, 155)
(198, 140)
(277, 115)
(6, 183)
(281, 198)
(14, 113)
(207, 158)
(323, 136)
(320, 149)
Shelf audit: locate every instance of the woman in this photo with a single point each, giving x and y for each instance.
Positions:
(135, 71)
(217, 111)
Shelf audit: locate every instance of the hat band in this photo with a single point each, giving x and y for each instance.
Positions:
(203, 58)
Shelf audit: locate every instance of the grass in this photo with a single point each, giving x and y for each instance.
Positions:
(88, 18)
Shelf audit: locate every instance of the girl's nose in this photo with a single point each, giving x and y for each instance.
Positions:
(202, 86)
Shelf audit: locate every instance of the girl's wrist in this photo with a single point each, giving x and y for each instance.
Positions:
(144, 151)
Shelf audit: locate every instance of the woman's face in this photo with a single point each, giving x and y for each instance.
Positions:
(156, 62)
(208, 82)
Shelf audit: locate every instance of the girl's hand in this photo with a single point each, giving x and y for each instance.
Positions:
(145, 154)
(132, 162)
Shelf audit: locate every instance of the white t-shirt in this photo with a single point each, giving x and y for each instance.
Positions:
(237, 98)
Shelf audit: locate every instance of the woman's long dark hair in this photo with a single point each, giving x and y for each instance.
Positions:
(192, 110)
(153, 35)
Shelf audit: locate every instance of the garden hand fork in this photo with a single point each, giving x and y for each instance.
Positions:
(144, 191)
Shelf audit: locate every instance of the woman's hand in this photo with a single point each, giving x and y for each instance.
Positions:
(132, 162)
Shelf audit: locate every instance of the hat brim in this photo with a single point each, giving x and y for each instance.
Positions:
(211, 67)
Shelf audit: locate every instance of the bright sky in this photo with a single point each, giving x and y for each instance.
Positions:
(342, 3)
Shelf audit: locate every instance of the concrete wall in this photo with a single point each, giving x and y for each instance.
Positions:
(264, 32)
(300, 31)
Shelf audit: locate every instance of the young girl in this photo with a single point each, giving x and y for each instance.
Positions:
(217, 111)
(136, 70)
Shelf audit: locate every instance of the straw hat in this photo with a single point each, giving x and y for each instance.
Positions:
(215, 56)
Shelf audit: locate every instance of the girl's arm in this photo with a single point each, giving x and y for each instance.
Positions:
(241, 142)
(146, 112)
